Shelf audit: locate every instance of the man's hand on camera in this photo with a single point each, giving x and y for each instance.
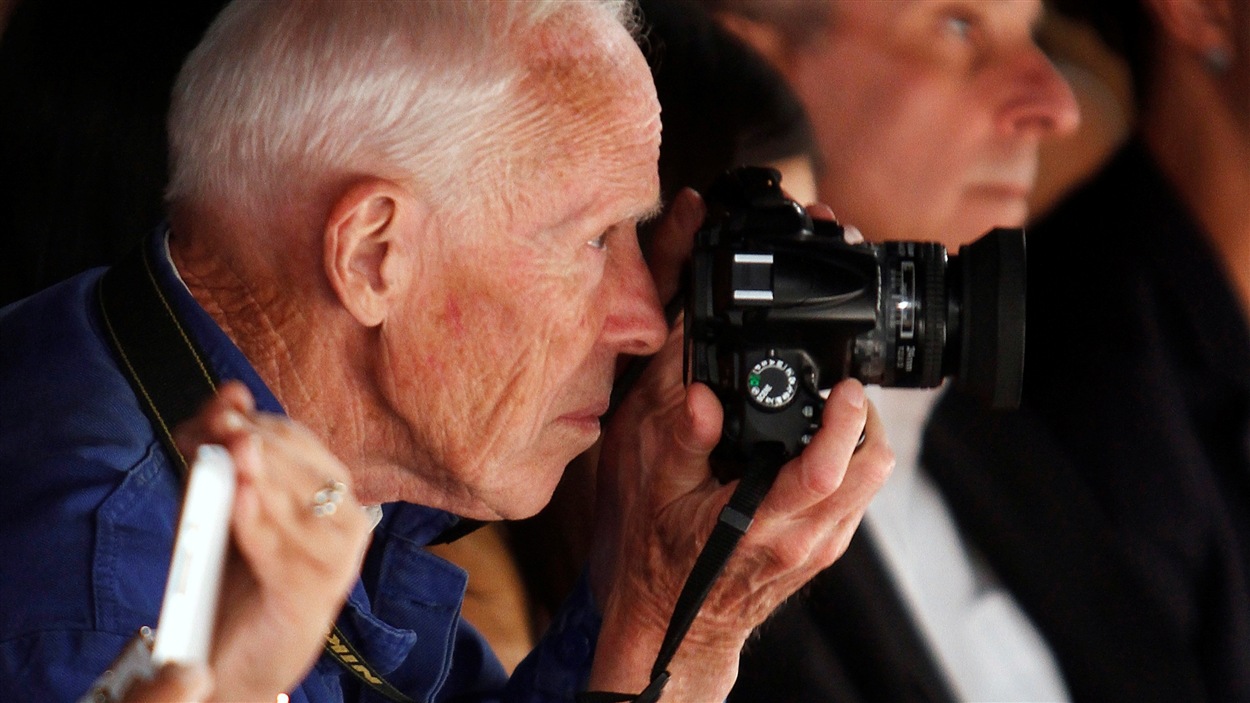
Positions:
(672, 241)
(658, 502)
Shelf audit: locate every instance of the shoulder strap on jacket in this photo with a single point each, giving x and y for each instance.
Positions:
(168, 373)
(162, 363)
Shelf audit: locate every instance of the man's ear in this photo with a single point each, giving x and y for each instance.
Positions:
(1200, 26)
(765, 39)
(368, 253)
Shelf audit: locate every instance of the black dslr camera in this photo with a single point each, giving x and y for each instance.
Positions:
(781, 306)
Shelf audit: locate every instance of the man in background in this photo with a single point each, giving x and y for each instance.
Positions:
(1123, 527)
(928, 117)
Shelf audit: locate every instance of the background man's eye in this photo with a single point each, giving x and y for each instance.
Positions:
(600, 242)
(959, 26)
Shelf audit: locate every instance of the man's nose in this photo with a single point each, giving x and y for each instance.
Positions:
(635, 323)
(1039, 101)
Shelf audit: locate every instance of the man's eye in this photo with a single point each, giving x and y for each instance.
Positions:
(600, 242)
(958, 25)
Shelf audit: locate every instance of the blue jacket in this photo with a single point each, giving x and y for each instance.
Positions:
(88, 509)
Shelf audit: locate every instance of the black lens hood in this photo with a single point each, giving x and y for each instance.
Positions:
(991, 364)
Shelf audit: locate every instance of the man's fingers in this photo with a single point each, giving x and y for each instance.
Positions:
(186, 683)
(868, 466)
(673, 240)
(223, 419)
(819, 471)
(820, 211)
(696, 431)
(301, 486)
(793, 542)
(667, 363)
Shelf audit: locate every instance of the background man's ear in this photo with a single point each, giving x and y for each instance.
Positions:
(1201, 26)
(765, 39)
(368, 254)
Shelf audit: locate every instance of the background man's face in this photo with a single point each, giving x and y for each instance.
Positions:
(1240, 70)
(527, 320)
(929, 114)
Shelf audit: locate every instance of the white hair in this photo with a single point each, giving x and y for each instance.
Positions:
(285, 98)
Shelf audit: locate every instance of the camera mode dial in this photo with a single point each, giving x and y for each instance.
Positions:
(772, 383)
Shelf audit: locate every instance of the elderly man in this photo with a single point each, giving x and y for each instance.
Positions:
(409, 228)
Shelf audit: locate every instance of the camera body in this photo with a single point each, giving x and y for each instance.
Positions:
(781, 306)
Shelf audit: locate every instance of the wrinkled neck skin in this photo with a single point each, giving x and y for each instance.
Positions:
(1197, 127)
(268, 293)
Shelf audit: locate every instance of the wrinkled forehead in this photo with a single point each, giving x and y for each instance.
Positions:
(589, 71)
(601, 118)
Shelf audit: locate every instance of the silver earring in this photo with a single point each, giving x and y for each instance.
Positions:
(1218, 60)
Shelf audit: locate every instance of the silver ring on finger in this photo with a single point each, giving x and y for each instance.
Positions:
(327, 499)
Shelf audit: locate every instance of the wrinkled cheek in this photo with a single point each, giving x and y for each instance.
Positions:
(454, 319)
(554, 320)
(513, 406)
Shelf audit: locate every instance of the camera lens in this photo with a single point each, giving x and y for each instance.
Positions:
(911, 331)
(960, 317)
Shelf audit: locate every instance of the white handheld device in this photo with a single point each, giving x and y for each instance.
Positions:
(185, 629)
(184, 632)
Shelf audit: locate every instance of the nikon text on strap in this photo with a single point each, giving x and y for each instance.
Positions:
(167, 372)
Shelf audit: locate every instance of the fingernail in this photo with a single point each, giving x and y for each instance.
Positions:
(853, 393)
(234, 421)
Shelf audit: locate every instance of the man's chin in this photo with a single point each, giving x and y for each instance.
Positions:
(526, 503)
(533, 488)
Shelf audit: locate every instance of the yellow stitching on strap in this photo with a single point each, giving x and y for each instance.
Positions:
(130, 367)
(147, 267)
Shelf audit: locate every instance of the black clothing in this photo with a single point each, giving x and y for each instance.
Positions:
(84, 91)
(847, 637)
(1114, 505)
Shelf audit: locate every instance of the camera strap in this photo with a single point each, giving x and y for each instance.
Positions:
(735, 518)
(168, 374)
